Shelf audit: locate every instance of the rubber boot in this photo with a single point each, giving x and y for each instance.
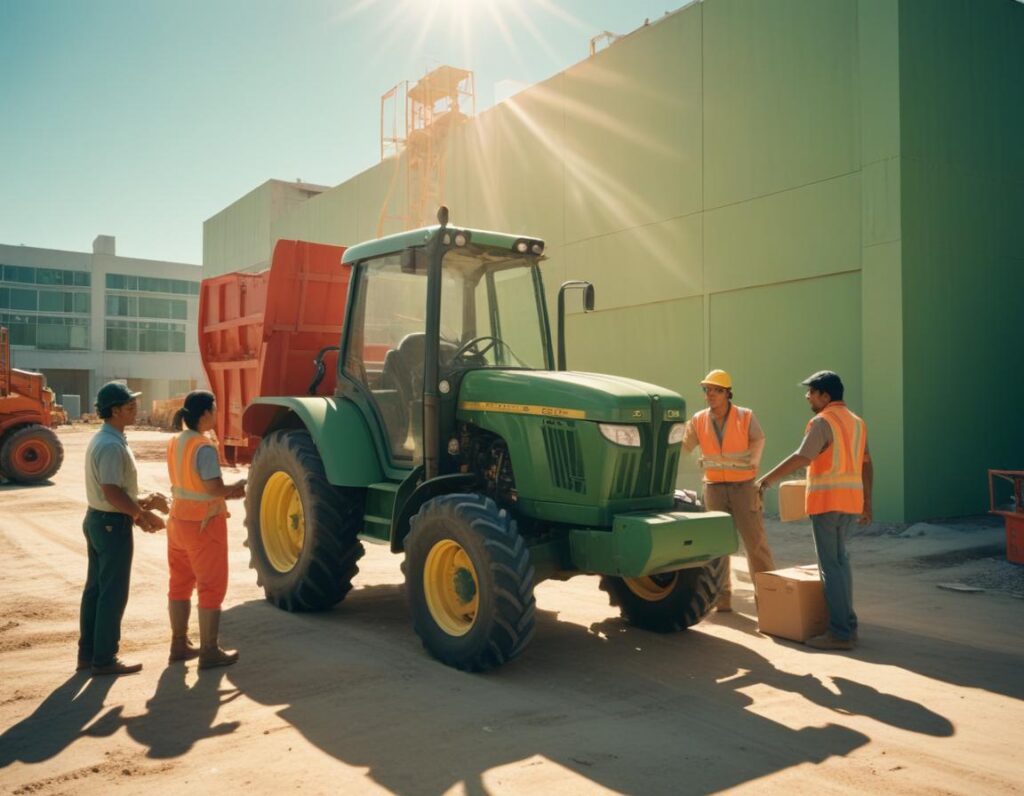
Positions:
(210, 654)
(181, 648)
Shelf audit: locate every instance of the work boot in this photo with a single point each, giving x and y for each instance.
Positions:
(181, 648)
(116, 667)
(724, 604)
(82, 665)
(827, 641)
(210, 654)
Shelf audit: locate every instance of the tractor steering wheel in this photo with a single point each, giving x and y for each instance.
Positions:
(473, 343)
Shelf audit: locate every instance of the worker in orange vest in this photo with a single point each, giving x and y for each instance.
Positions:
(839, 481)
(197, 532)
(731, 442)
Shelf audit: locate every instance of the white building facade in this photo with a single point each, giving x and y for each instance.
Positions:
(87, 318)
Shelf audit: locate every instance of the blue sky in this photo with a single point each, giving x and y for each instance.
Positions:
(142, 118)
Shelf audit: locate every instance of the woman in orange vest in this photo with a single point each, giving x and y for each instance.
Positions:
(197, 532)
(731, 442)
(839, 480)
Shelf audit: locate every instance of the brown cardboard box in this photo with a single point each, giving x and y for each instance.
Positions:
(791, 603)
(791, 501)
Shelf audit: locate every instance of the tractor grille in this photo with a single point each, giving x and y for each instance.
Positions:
(565, 460)
(668, 473)
(624, 482)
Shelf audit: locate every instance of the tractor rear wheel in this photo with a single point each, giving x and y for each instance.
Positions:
(469, 582)
(302, 530)
(670, 601)
(31, 454)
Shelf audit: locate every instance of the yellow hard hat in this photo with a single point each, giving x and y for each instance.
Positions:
(719, 378)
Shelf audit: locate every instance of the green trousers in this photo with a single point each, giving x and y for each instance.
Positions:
(110, 544)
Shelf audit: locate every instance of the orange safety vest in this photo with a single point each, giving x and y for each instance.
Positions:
(730, 460)
(835, 479)
(190, 502)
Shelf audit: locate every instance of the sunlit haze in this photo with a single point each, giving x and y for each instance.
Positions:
(141, 120)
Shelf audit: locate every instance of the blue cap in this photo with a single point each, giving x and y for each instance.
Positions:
(112, 394)
(825, 381)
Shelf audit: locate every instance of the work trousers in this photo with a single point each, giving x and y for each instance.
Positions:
(830, 531)
(110, 545)
(742, 500)
(198, 560)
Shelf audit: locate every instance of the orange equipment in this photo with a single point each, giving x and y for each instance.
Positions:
(260, 333)
(30, 451)
(1014, 519)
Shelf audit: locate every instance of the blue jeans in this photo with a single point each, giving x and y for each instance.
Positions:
(830, 530)
(110, 546)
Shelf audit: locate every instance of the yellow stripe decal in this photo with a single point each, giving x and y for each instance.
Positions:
(523, 409)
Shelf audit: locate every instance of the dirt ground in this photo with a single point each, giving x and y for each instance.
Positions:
(349, 702)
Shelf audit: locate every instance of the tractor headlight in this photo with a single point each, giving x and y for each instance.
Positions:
(675, 434)
(628, 436)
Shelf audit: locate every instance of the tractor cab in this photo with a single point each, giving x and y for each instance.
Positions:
(425, 308)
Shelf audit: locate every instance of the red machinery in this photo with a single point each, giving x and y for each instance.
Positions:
(1015, 518)
(259, 333)
(29, 450)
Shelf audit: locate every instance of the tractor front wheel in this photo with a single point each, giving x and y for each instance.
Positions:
(469, 582)
(302, 530)
(669, 601)
(31, 454)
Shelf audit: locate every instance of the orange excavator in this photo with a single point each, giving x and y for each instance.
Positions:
(30, 451)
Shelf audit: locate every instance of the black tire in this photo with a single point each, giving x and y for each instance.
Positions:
(668, 602)
(500, 580)
(31, 454)
(316, 571)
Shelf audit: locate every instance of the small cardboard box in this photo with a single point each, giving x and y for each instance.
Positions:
(791, 603)
(791, 501)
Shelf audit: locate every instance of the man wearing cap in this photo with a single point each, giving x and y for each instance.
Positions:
(112, 490)
(731, 442)
(839, 481)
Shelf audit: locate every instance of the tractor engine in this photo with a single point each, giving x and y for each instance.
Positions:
(486, 455)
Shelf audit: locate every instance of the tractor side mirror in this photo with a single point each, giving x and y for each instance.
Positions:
(588, 306)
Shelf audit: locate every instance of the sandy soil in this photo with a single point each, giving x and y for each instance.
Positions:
(348, 701)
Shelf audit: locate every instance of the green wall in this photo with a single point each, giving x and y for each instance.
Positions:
(772, 188)
(962, 114)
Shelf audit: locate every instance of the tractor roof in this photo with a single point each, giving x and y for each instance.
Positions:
(419, 237)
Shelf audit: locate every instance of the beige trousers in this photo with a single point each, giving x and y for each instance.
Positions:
(743, 502)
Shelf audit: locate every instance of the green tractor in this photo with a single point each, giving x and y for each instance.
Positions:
(454, 437)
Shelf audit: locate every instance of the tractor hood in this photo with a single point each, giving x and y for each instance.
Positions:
(568, 395)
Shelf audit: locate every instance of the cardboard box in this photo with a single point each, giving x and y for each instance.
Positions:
(791, 603)
(791, 501)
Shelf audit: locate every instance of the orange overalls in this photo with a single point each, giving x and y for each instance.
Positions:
(197, 529)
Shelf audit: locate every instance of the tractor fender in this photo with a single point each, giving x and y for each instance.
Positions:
(337, 427)
(442, 485)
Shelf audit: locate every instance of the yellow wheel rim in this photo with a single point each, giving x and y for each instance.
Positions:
(451, 588)
(652, 587)
(282, 523)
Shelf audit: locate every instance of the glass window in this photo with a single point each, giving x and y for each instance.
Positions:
(23, 332)
(82, 278)
(80, 302)
(53, 301)
(24, 299)
(115, 281)
(49, 276)
(120, 339)
(154, 340)
(178, 341)
(385, 349)
(5, 298)
(490, 311)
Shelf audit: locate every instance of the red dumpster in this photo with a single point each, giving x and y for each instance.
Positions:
(260, 332)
